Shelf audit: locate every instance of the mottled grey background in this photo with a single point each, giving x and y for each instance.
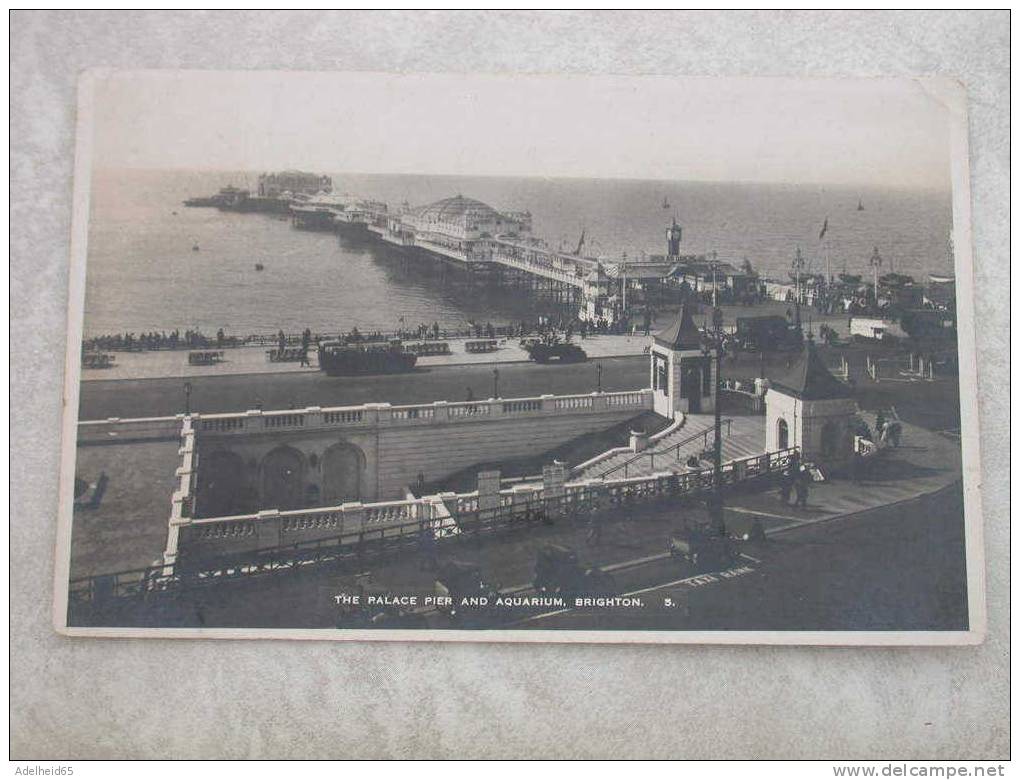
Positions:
(79, 698)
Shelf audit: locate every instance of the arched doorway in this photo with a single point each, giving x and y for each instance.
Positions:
(830, 439)
(283, 471)
(690, 384)
(782, 434)
(223, 486)
(342, 467)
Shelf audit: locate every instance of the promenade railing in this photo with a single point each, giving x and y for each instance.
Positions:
(357, 533)
(667, 455)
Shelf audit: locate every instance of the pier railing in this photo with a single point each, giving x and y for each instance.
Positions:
(528, 259)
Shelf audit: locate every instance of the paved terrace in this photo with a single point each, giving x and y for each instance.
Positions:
(128, 528)
(253, 360)
(888, 570)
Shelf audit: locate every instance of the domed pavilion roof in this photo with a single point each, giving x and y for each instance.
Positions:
(458, 209)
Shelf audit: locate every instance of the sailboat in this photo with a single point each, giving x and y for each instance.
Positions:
(860, 205)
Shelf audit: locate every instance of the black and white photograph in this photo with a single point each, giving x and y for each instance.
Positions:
(521, 358)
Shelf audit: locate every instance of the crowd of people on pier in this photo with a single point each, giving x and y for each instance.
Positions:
(153, 340)
(196, 339)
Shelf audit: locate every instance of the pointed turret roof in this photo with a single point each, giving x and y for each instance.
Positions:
(810, 380)
(682, 334)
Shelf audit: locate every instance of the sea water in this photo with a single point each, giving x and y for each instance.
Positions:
(144, 273)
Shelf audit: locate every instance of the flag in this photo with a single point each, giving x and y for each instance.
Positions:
(825, 227)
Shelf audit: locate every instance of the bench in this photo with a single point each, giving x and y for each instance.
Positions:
(286, 355)
(426, 348)
(97, 360)
(205, 357)
(482, 345)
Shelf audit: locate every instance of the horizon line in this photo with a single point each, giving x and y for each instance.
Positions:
(948, 188)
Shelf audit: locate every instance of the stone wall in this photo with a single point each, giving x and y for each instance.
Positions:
(394, 444)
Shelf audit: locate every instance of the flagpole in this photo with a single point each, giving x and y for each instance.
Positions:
(825, 247)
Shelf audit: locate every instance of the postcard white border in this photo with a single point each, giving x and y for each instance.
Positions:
(951, 93)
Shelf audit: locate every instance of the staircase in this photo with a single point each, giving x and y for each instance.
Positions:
(742, 437)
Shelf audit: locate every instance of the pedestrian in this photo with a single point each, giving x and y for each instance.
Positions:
(785, 488)
(429, 560)
(801, 489)
(594, 529)
(757, 533)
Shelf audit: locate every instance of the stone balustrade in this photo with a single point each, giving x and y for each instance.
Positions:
(368, 415)
(272, 528)
(182, 503)
(115, 429)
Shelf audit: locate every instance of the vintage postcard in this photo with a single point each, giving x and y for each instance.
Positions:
(521, 358)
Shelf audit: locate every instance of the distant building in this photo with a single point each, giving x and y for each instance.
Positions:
(704, 276)
(276, 185)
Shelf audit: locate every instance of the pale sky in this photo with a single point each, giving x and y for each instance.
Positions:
(883, 133)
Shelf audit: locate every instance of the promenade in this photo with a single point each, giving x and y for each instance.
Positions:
(254, 360)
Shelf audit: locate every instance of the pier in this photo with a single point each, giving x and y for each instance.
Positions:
(497, 247)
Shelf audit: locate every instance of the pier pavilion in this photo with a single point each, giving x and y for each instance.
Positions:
(498, 247)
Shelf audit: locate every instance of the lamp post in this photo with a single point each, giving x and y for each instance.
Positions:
(714, 264)
(495, 383)
(875, 262)
(715, 503)
(187, 397)
(598, 374)
(798, 266)
(623, 277)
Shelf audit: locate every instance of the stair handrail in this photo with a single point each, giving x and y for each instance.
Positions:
(676, 446)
